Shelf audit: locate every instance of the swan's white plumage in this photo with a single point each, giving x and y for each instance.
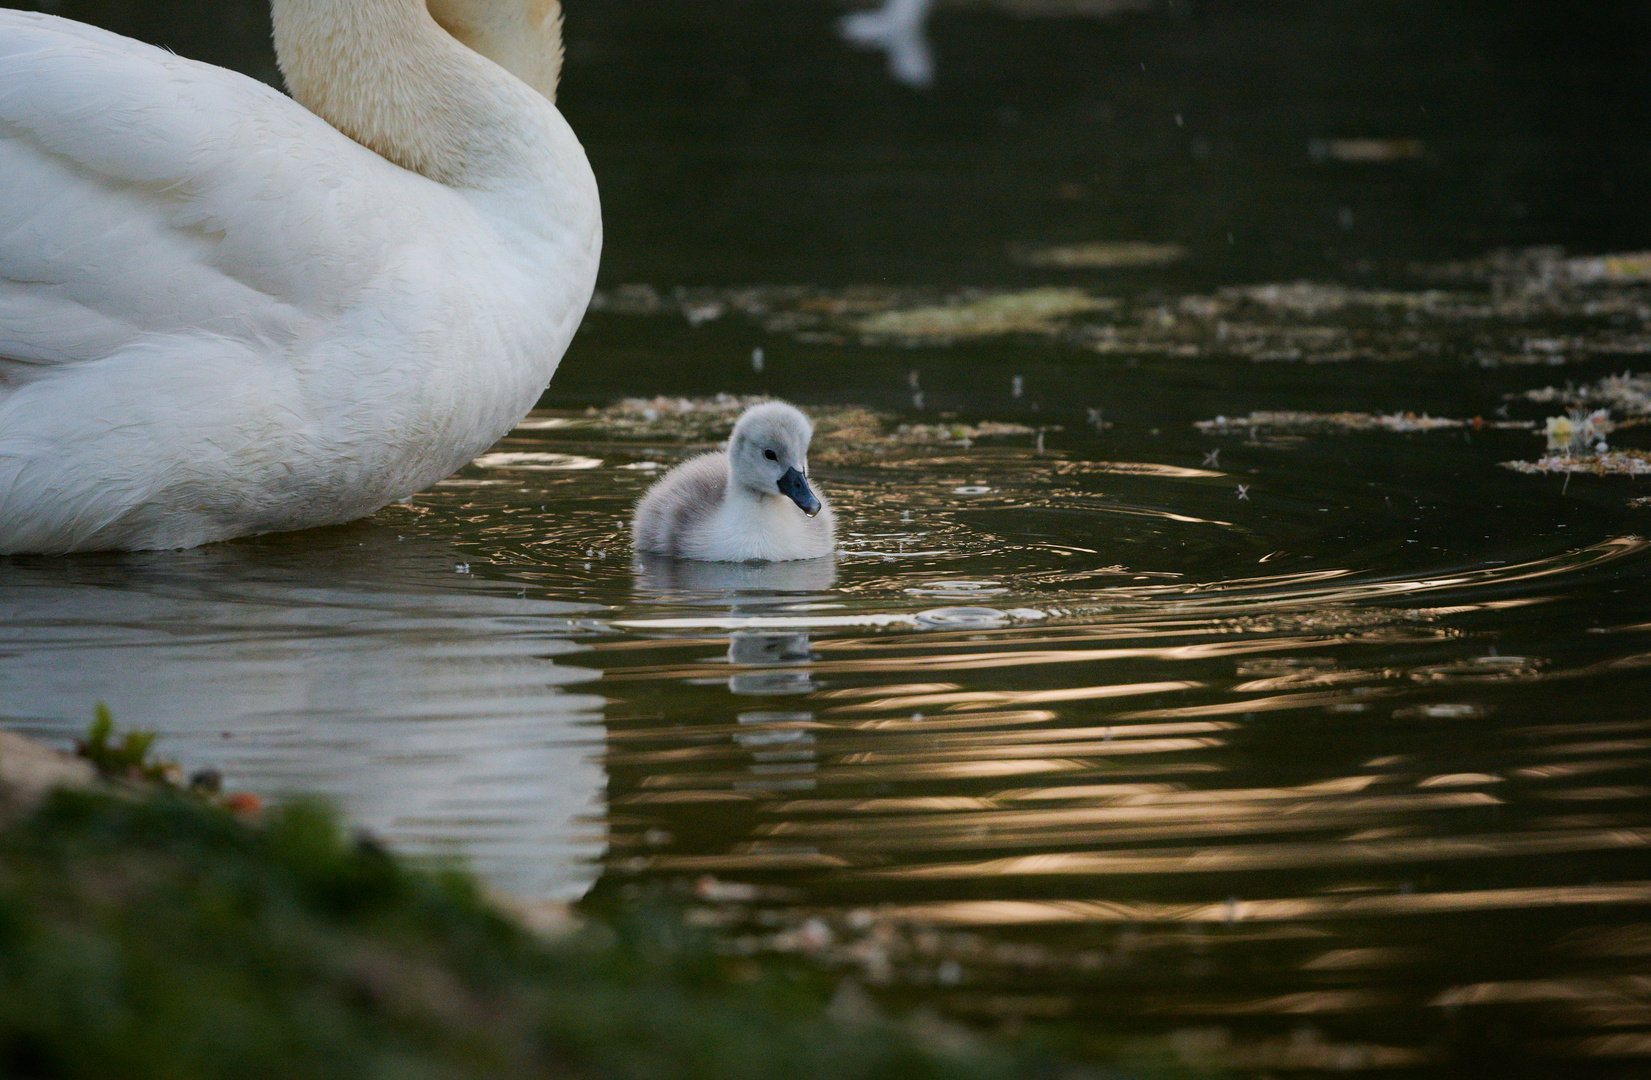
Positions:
(220, 316)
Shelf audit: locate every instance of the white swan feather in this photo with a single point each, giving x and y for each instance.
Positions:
(221, 316)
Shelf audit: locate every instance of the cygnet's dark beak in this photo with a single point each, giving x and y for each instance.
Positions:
(794, 487)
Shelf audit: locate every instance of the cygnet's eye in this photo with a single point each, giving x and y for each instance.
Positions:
(770, 455)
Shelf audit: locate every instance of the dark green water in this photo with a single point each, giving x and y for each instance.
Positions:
(1313, 742)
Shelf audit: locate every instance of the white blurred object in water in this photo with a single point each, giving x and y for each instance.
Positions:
(898, 29)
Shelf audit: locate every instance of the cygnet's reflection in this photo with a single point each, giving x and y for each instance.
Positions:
(437, 709)
(776, 660)
(765, 662)
(743, 585)
(755, 647)
(782, 756)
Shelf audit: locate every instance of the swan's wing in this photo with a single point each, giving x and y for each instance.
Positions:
(144, 194)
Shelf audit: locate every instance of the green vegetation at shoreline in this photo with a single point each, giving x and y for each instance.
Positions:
(151, 935)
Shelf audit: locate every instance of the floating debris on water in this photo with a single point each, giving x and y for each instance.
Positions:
(628, 300)
(1627, 393)
(1314, 298)
(1033, 311)
(1100, 255)
(1480, 309)
(1577, 441)
(957, 588)
(1579, 433)
(962, 434)
(1610, 463)
(840, 432)
(704, 312)
(708, 419)
(1349, 422)
(1546, 269)
(1634, 267)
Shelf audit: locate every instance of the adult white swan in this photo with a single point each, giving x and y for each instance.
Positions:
(222, 313)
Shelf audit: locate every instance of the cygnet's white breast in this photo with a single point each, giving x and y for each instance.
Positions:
(749, 502)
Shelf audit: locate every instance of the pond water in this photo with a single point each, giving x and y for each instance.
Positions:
(1195, 665)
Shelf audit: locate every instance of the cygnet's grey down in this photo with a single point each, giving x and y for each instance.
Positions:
(750, 502)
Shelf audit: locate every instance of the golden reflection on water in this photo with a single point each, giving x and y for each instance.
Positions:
(962, 700)
(1313, 773)
(1209, 859)
(1284, 910)
(933, 650)
(1023, 770)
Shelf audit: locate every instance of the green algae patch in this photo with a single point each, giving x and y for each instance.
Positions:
(154, 936)
(1032, 311)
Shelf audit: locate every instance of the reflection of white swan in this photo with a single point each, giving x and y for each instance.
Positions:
(443, 714)
(737, 504)
(898, 29)
(219, 315)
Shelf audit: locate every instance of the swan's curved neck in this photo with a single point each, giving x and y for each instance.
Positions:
(524, 37)
(391, 76)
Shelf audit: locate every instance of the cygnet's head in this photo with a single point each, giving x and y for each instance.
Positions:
(768, 453)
